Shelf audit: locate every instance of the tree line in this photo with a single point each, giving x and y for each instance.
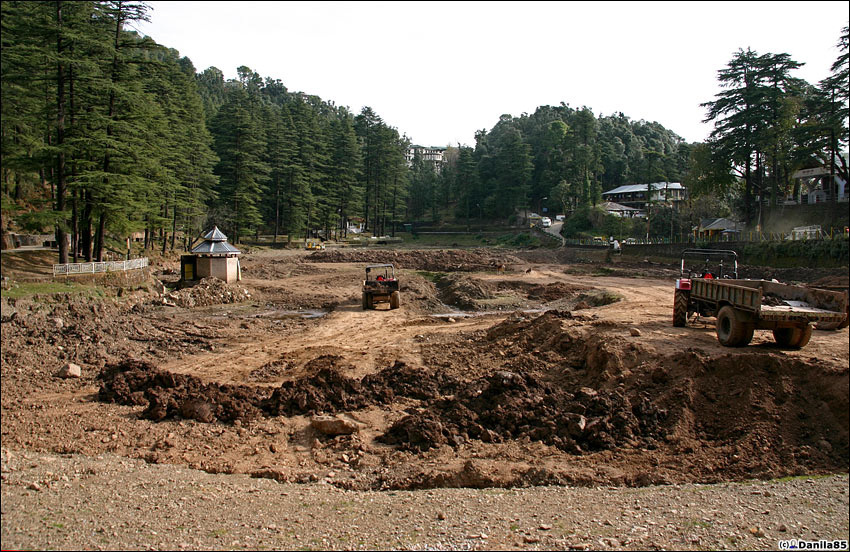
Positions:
(106, 133)
(767, 125)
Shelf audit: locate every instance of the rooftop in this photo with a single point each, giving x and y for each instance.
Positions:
(630, 188)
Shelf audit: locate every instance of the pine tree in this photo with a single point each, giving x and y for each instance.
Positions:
(240, 145)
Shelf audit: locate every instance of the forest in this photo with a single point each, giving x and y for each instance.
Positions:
(107, 134)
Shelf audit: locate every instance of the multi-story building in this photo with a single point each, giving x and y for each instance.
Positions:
(637, 195)
(432, 153)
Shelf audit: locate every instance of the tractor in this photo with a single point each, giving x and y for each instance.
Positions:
(380, 286)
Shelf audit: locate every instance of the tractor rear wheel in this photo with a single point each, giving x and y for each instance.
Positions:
(395, 300)
(793, 338)
(680, 308)
(365, 300)
(732, 330)
(805, 336)
(785, 336)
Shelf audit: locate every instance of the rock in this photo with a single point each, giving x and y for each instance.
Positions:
(332, 425)
(586, 392)
(58, 322)
(530, 540)
(441, 516)
(70, 370)
(576, 424)
(634, 332)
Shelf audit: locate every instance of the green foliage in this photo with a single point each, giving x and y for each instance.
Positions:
(832, 252)
(106, 133)
(768, 125)
(38, 290)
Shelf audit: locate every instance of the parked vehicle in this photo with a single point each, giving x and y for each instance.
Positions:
(709, 285)
(380, 286)
(545, 222)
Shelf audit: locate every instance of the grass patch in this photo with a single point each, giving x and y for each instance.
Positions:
(29, 289)
(433, 277)
(799, 477)
(598, 299)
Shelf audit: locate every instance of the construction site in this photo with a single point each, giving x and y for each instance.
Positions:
(493, 369)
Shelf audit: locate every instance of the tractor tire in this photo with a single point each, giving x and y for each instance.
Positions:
(680, 308)
(365, 301)
(395, 300)
(805, 336)
(785, 336)
(793, 338)
(732, 331)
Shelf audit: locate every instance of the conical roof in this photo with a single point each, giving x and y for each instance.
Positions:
(215, 235)
(215, 243)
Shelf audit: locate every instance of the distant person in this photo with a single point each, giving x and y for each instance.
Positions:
(617, 249)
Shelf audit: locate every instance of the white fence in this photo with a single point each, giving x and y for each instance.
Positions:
(92, 268)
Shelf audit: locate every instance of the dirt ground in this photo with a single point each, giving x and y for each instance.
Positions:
(499, 370)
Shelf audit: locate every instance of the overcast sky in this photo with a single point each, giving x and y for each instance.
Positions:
(440, 71)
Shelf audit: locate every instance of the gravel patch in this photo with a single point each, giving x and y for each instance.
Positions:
(110, 502)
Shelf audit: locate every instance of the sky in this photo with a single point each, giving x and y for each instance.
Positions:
(440, 71)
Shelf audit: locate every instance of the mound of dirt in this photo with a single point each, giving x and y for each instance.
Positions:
(170, 395)
(209, 291)
(455, 260)
(508, 405)
(462, 291)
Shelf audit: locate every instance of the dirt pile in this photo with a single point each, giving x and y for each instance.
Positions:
(209, 291)
(508, 405)
(455, 260)
(705, 418)
(463, 292)
(71, 328)
(168, 395)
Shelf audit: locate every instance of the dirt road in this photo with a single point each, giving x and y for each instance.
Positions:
(500, 370)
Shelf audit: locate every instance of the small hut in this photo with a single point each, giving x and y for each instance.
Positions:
(213, 257)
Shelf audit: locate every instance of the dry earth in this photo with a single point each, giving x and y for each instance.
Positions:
(530, 399)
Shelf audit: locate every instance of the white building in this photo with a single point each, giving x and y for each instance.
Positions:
(637, 195)
(432, 153)
(814, 184)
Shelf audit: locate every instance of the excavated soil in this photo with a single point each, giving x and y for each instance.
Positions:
(498, 370)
